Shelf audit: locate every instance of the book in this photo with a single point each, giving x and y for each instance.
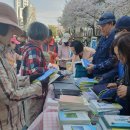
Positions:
(84, 83)
(119, 121)
(79, 127)
(74, 117)
(102, 125)
(105, 126)
(85, 62)
(72, 99)
(47, 74)
(90, 94)
(104, 106)
(120, 129)
(85, 80)
(67, 102)
(53, 77)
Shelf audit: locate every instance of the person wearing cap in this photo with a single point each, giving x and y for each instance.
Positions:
(11, 55)
(122, 50)
(51, 47)
(13, 89)
(122, 26)
(64, 52)
(103, 61)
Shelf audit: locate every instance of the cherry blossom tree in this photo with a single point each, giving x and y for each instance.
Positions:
(82, 13)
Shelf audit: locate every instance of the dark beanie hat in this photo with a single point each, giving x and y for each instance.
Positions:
(123, 23)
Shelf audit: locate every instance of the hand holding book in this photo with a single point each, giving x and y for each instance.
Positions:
(90, 68)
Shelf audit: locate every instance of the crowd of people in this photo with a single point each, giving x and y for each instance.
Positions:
(24, 56)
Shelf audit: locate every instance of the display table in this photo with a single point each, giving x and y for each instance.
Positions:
(48, 119)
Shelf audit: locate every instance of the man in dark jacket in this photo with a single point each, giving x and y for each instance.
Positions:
(103, 61)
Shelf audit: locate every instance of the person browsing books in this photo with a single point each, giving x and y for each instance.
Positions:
(64, 52)
(13, 89)
(122, 50)
(103, 61)
(122, 25)
(80, 52)
(34, 64)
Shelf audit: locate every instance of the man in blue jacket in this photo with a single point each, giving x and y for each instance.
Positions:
(103, 61)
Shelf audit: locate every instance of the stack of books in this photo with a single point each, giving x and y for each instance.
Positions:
(67, 102)
(73, 117)
(101, 108)
(79, 127)
(115, 122)
(84, 83)
(90, 94)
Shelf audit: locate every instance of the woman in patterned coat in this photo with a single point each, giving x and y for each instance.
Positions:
(12, 89)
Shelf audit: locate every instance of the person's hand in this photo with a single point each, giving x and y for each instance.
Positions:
(122, 91)
(34, 77)
(45, 84)
(112, 85)
(90, 68)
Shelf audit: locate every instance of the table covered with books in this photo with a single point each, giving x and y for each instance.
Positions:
(83, 112)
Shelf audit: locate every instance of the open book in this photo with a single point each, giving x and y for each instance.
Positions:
(51, 73)
(47, 74)
(53, 77)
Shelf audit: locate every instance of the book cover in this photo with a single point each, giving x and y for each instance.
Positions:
(72, 99)
(104, 105)
(47, 74)
(85, 62)
(90, 95)
(53, 77)
(117, 121)
(79, 127)
(76, 117)
(85, 81)
(120, 129)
